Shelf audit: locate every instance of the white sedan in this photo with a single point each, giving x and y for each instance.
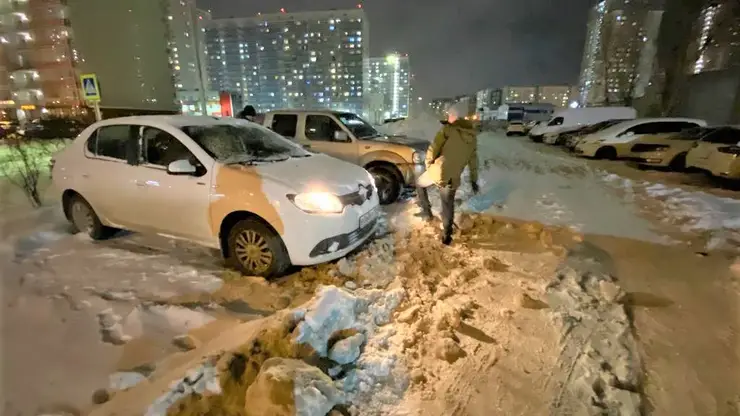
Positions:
(265, 202)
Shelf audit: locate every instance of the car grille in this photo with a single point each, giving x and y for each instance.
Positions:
(358, 197)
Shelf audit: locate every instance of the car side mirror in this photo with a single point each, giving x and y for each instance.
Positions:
(341, 136)
(181, 167)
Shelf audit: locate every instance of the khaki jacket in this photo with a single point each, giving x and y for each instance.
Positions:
(454, 147)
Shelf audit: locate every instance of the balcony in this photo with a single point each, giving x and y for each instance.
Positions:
(14, 6)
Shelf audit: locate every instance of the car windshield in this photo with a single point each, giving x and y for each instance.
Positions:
(360, 128)
(230, 143)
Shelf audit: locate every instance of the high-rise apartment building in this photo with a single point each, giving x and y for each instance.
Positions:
(187, 26)
(388, 87)
(133, 66)
(557, 95)
(143, 52)
(716, 43)
(620, 51)
(37, 59)
(299, 60)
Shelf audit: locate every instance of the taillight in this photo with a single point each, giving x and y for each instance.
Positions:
(733, 150)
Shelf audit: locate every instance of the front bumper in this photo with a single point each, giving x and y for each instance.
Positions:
(650, 158)
(411, 172)
(587, 149)
(318, 238)
(536, 137)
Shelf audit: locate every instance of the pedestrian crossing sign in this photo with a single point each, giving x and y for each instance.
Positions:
(90, 87)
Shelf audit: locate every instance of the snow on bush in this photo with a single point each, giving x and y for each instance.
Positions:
(424, 127)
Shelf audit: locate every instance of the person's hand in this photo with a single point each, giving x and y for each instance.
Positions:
(475, 187)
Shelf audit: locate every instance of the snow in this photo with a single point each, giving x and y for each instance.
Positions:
(347, 350)
(366, 311)
(692, 211)
(201, 380)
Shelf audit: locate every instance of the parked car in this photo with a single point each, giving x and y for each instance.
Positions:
(571, 138)
(616, 141)
(717, 153)
(52, 128)
(573, 118)
(515, 127)
(666, 149)
(230, 184)
(8, 127)
(394, 161)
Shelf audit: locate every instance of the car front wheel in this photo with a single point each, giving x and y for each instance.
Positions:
(256, 250)
(388, 185)
(84, 220)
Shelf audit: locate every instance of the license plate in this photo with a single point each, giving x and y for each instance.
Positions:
(368, 217)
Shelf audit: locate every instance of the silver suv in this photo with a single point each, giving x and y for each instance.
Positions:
(394, 161)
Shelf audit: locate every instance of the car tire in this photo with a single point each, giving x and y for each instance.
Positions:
(678, 163)
(84, 219)
(508, 134)
(606, 152)
(256, 250)
(387, 183)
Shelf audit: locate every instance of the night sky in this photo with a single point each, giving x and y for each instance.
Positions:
(460, 46)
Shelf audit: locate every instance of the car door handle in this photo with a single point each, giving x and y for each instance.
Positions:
(140, 183)
(85, 175)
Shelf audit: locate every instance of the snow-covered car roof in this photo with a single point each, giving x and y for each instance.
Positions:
(177, 120)
(631, 123)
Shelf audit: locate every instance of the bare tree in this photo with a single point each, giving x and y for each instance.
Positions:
(26, 162)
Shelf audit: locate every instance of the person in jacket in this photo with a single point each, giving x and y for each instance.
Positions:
(248, 113)
(454, 147)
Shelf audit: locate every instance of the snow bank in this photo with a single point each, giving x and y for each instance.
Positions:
(692, 211)
(599, 367)
(423, 127)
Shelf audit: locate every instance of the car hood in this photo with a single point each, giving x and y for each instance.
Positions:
(315, 173)
(416, 144)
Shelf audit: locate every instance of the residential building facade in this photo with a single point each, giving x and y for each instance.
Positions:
(620, 51)
(187, 26)
(559, 96)
(46, 44)
(716, 36)
(37, 60)
(294, 60)
(488, 99)
(389, 90)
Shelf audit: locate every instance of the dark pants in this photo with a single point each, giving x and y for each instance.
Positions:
(447, 196)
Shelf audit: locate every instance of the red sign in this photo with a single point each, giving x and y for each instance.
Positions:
(227, 110)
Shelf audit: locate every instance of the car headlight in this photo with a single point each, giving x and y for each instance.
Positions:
(417, 158)
(317, 202)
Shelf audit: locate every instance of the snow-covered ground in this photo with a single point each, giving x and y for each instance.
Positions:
(495, 324)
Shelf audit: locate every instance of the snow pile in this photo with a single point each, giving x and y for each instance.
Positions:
(369, 374)
(600, 369)
(201, 381)
(716, 217)
(424, 127)
(333, 352)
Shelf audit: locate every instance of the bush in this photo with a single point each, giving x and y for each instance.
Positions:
(23, 161)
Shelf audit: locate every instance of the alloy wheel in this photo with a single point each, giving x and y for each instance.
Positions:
(82, 216)
(253, 251)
